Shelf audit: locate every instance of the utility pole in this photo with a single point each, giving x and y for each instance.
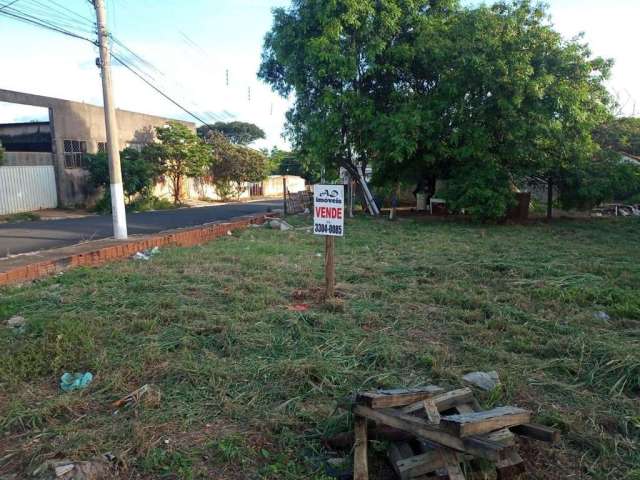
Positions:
(111, 122)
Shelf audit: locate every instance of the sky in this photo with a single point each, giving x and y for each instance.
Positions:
(191, 44)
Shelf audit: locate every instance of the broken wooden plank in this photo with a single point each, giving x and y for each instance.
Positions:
(537, 432)
(465, 408)
(397, 397)
(452, 465)
(421, 465)
(397, 453)
(473, 445)
(503, 436)
(444, 401)
(510, 467)
(432, 411)
(477, 423)
(360, 461)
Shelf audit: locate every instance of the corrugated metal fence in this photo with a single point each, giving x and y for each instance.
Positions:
(24, 189)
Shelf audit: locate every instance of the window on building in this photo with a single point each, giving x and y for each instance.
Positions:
(102, 147)
(74, 151)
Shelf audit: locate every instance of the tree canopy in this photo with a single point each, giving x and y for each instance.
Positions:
(621, 135)
(424, 89)
(290, 163)
(233, 166)
(179, 153)
(239, 133)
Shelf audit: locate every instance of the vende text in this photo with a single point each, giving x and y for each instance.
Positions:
(329, 212)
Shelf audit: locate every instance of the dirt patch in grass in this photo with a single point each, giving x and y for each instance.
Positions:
(250, 386)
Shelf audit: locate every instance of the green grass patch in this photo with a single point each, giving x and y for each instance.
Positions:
(248, 387)
(21, 217)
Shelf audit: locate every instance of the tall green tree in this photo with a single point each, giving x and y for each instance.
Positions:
(178, 153)
(328, 54)
(239, 133)
(429, 89)
(519, 100)
(233, 166)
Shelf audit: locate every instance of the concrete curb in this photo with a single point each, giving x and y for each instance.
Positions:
(25, 268)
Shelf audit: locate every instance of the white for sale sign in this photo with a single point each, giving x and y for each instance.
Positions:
(328, 210)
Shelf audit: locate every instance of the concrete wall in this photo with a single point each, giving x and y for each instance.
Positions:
(24, 159)
(272, 186)
(198, 189)
(84, 122)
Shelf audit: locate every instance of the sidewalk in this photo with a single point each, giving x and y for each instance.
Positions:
(31, 266)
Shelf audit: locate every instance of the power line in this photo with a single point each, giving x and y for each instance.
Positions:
(8, 4)
(44, 24)
(132, 70)
(128, 58)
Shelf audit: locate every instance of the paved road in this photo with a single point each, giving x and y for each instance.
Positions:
(46, 234)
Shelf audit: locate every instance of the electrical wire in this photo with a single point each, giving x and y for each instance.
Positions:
(43, 23)
(65, 19)
(8, 4)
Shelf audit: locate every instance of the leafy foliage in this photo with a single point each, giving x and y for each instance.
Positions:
(179, 153)
(233, 166)
(621, 135)
(481, 190)
(430, 88)
(239, 133)
(604, 178)
(138, 174)
(1, 154)
(290, 163)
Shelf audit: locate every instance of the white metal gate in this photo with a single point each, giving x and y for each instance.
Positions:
(25, 189)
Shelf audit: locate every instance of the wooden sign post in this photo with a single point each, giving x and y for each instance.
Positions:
(328, 221)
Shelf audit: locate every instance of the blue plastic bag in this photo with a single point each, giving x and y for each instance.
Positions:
(75, 381)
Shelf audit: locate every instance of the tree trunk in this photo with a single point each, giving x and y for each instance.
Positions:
(177, 189)
(393, 213)
(549, 198)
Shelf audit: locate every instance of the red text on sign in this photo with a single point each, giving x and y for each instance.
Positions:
(329, 212)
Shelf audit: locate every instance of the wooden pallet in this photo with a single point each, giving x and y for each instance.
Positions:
(445, 431)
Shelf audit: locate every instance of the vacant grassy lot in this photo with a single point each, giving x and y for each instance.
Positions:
(248, 387)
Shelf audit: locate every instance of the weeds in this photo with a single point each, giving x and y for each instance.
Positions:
(21, 217)
(248, 387)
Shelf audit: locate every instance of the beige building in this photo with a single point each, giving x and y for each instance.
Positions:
(74, 128)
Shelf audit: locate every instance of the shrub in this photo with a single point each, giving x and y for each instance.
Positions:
(605, 178)
(481, 190)
(138, 174)
(145, 204)
(234, 165)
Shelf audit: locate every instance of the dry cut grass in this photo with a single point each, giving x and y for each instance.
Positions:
(248, 387)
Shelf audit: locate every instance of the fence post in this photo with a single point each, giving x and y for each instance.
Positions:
(284, 193)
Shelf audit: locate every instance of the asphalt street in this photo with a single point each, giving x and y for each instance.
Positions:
(16, 238)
